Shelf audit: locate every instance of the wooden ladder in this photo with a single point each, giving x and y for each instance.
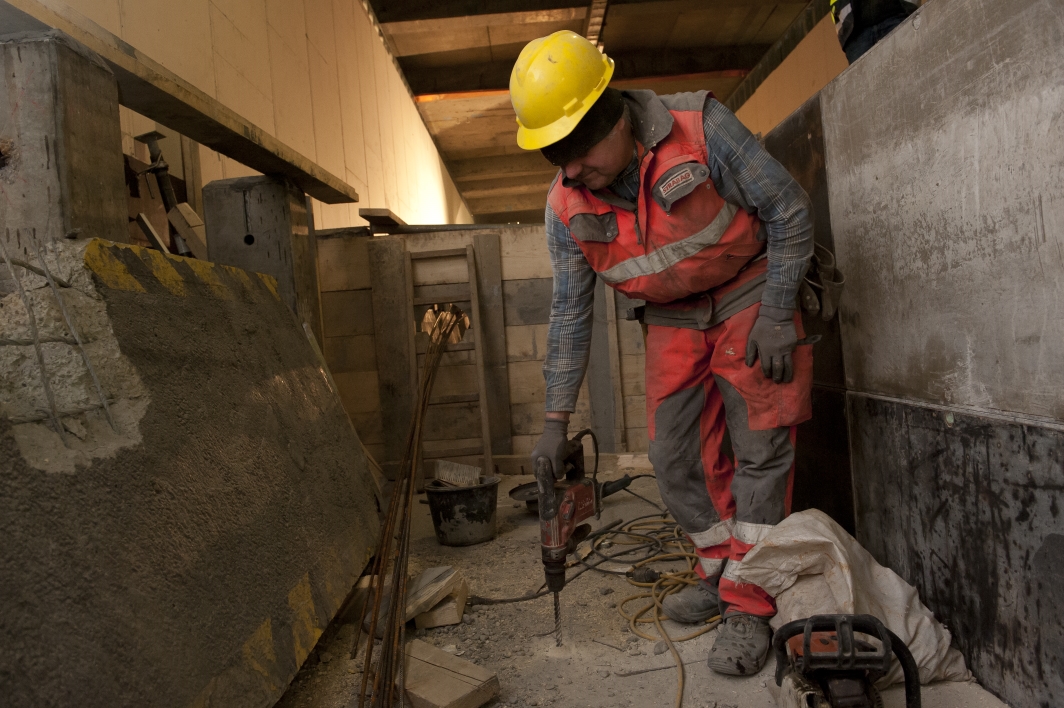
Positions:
(477, 346)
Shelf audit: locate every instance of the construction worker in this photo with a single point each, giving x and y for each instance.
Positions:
(670, 200)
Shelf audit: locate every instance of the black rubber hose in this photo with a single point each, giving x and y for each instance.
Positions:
(909, 669)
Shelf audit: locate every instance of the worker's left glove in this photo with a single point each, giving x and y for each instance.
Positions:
(773, 339)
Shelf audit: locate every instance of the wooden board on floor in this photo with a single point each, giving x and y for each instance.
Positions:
(448, 612)
(436, 679)
(429, 588)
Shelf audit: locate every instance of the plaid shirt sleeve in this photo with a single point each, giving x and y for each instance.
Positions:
(569, 331)
(746, 175)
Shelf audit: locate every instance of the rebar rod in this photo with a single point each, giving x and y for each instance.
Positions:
(32, 321)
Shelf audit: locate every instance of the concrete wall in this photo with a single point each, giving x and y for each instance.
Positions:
(944, 156)
(313, 73)
(191, 552)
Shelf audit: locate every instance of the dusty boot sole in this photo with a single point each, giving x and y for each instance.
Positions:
(736, 668)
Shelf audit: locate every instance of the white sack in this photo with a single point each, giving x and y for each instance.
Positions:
(813, 567)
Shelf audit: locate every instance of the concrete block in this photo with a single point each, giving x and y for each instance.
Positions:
(61, 169)
(260, 224)
(191, 554)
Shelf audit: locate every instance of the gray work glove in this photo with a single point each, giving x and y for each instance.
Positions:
(552, 445)
(773, 339)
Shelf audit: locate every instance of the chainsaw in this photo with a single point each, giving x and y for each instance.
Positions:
(821, 664)
(563, 504)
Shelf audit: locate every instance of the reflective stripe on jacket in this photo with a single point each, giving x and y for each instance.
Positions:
(681, 239)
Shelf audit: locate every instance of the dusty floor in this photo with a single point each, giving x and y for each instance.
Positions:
(598, 652)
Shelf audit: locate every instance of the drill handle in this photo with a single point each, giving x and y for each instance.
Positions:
(548, 503)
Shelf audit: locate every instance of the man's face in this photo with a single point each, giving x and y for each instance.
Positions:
(602, 163)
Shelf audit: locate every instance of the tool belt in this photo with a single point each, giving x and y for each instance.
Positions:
(819, 295)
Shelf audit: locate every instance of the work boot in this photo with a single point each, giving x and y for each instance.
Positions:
(695, 603)
(742, 645)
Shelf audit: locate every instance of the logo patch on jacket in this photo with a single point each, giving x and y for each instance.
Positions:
(676, 181)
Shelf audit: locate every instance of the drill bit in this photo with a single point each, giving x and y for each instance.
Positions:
(557, 621)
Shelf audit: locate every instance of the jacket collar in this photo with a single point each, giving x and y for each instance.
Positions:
(651, 120)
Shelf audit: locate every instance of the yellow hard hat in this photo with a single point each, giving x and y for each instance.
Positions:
(553, 84)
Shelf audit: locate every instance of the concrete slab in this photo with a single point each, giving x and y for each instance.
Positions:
(192, 553)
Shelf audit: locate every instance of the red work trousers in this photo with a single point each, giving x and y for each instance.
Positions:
(697, 385)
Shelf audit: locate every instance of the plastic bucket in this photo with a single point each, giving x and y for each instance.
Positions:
(462, 516)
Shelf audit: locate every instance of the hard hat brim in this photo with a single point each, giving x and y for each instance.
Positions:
(537, 138)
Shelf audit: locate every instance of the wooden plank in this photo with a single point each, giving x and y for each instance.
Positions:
(526, 342)
(524, 253)
(439, 253)
(442, 294)
(368, 425)
(429, 588)
(633, 377)
(436, 679)
(347, 313)
(343, 263)
(527, 418)
(465, 355)
(526, 382)
(495, 167)
(455, 380)
(630, 337)
(421, 341)
(635, 411)
(359, 391)
(601, 388)
(457, 398)
(478, 338)
(393, 335)
(380, 217)
(613, 345)
(527, 302)
(637, 439)
(509, 202)
(451, 420)
(440, 271)
(493, 325)
(448, 612)
(350, 353)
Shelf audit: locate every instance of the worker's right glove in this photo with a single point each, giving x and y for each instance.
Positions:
(552, 445)
(773, 339)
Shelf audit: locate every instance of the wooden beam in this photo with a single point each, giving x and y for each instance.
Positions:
(495, 75)
(507, 187)
(492, 309)
(779, 51)
(148, 88)
(596, 16)
(393, 329)
(521, 202)
(450, 34)
(408, 10)
(479, 169)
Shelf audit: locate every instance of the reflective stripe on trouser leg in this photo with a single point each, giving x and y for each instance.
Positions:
(761, 485)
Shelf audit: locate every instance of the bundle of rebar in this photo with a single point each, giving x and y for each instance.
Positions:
(384, 668)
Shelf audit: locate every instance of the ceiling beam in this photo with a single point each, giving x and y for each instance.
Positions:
(406, 10)
(629, 65)
(475, 170)
(774, 55)
(519, 202)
